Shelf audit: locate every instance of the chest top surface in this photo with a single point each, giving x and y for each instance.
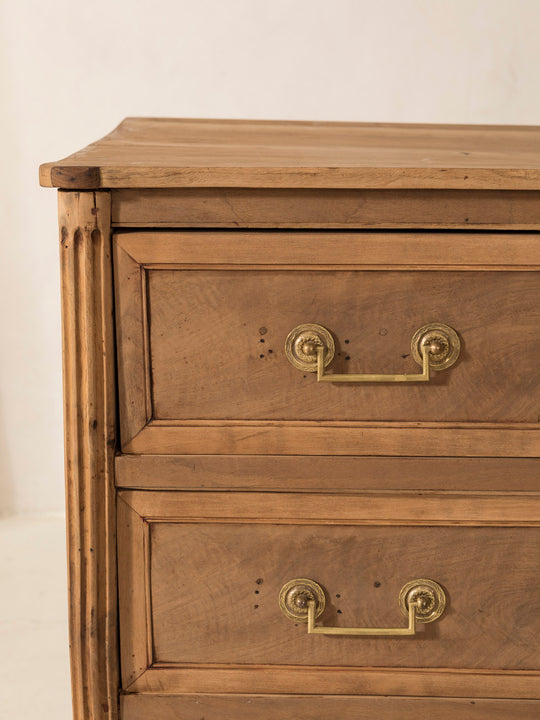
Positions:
(175, 153)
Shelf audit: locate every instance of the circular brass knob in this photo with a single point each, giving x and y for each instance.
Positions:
(436, 347)
(302, 344)
(442, 343)
(309, 348)
(295, 595)
(429, 598)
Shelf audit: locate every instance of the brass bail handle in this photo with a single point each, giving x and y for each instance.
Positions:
(303, 600)
(311, 348)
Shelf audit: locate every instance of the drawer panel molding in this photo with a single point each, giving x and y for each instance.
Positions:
(201, 573)
(176, 335)
(312, 707)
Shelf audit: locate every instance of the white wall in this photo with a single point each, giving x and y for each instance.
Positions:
(70, 70)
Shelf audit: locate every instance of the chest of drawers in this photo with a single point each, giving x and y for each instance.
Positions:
(302, 420)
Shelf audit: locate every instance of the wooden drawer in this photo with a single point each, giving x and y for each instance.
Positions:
(203, 318)
(200, 575)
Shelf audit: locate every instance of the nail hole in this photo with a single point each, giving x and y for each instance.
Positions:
(261, 356)
(347, 357)
(346, 342)
(256, 592)
(259, 581)
(376, 584)
(339, 612)
(338, 595)
(261, 340)
(255, 606)
(270, 351)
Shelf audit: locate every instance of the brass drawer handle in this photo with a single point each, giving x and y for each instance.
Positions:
(310, 348)
(303, 600)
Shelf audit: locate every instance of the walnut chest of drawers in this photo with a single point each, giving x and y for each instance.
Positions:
(302, 420)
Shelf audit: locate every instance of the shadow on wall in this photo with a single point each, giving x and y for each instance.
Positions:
(7, 497)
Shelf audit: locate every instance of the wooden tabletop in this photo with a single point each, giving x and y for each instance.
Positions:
(174, 153)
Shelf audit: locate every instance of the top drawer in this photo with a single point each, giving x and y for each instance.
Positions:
(203, 318)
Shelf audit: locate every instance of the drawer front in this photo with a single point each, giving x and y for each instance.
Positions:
(217, 344)
(202, 365)
(201, 574)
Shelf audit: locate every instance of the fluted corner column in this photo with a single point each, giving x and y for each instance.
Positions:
(90, 429)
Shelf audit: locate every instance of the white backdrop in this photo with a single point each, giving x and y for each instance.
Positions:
(71, 70)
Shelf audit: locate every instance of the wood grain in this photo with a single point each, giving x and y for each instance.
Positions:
(301, 208)
(325, 472)
(134, 594)
(215, 589)
(385, 439)
(197, 542)
(90, 408)
(183, 358)
(372, 491)
(345, 250)
(421, 508)
(131, 336)
(339, 681)
(315, 707)
(148, 152)
(201, 328)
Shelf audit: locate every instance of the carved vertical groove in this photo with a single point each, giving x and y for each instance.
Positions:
(90, 429)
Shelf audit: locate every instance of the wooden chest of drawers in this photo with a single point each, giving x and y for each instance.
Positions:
(302, 416)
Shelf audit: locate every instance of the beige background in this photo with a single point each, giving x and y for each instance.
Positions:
(70, 71)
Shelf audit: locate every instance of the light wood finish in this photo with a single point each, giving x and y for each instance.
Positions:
(315, 707)
(89, 403)
(332, 250)
(134, 594)
(325, 473)
(167, 368)
(205, 610)
(133, 375)
(340, 438)
(428, 508)
(215, 622)
(216, 360)
(236, 474)
(338, 680)
(297, 208)
(167, 153)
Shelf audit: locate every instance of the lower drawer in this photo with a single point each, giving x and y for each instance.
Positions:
(200, 575)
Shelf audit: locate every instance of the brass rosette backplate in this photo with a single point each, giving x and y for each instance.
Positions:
(430, 598)
(443, 343)
(302, 343)
(295, 595)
